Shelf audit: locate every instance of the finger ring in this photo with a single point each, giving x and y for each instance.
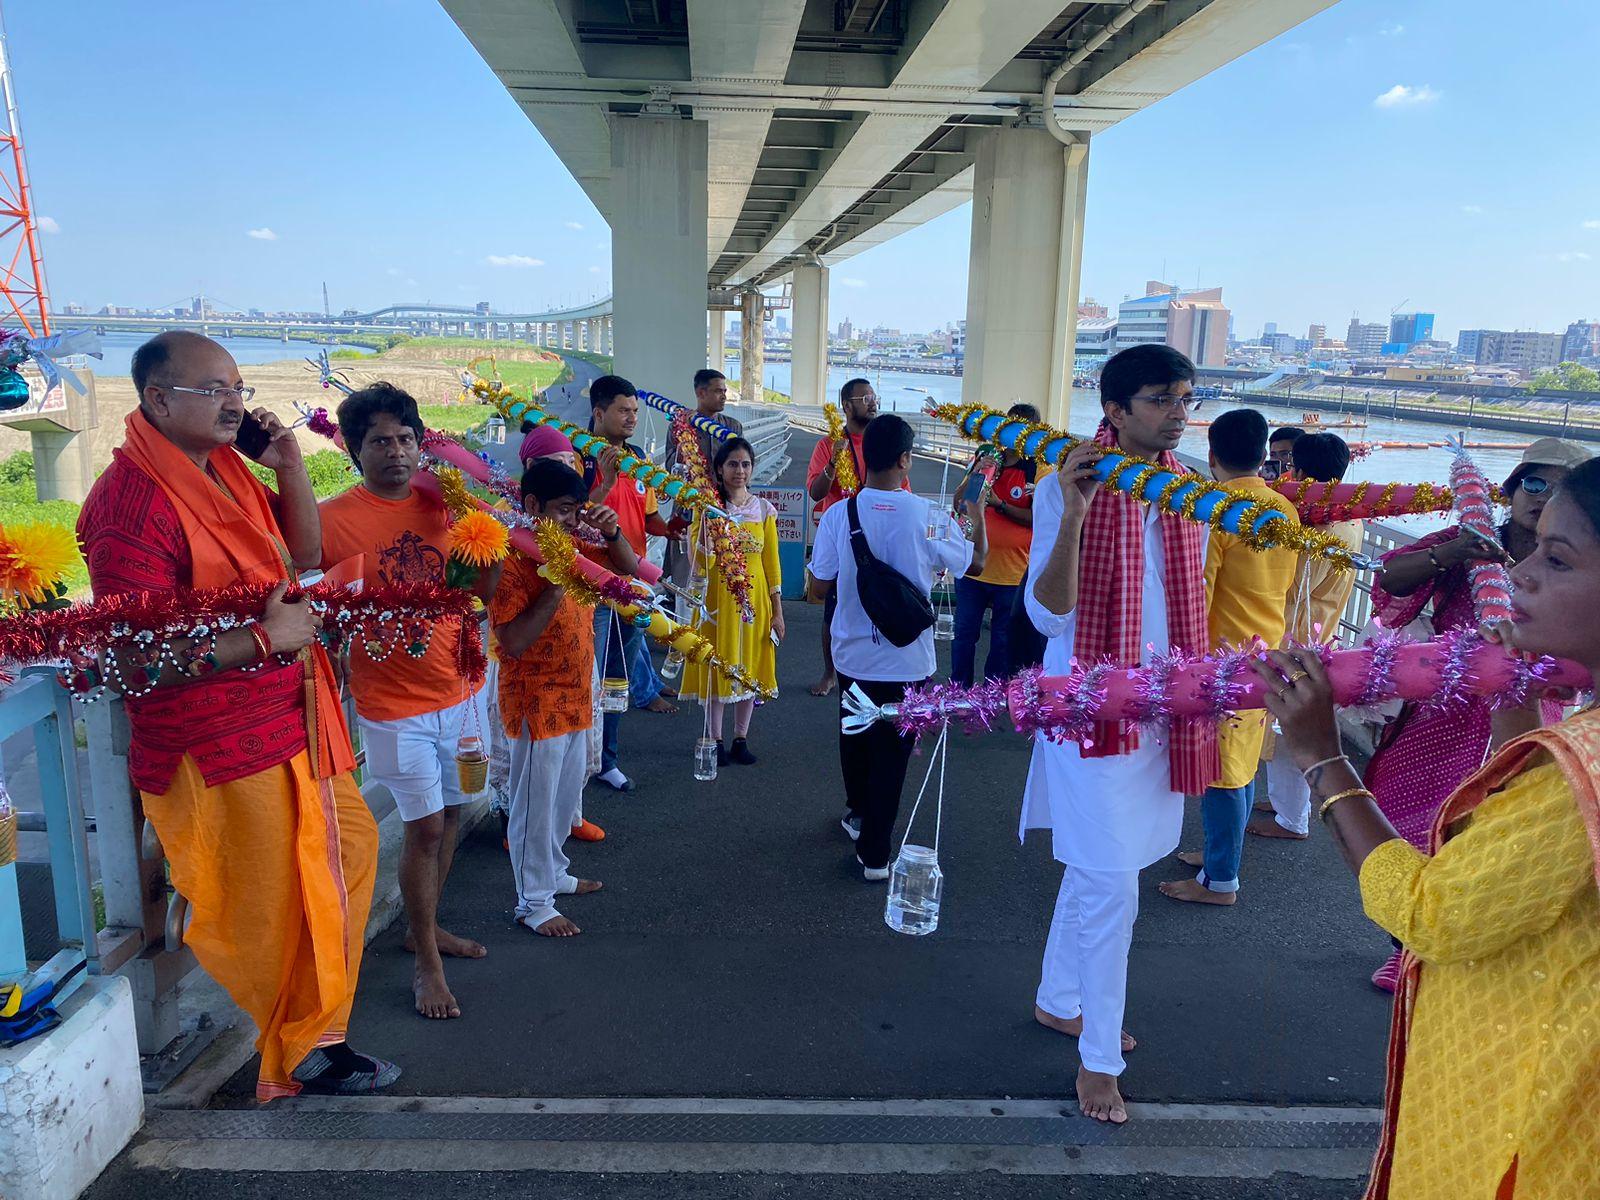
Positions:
(1283, 693)
(1295, 678)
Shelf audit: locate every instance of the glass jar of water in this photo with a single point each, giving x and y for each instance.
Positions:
(672, 664)
(915, 886)
(614, 694)
(944, 627)
(705, 759)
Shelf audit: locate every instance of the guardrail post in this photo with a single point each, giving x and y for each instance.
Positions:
(134, 886)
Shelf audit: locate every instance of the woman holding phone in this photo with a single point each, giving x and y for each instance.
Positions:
(752, 644)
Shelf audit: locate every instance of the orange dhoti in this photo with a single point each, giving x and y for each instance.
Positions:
(278, 870)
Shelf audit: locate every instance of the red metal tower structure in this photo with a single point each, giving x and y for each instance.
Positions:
(22, 290)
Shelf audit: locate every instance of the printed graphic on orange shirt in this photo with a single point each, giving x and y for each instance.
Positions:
(409, 559)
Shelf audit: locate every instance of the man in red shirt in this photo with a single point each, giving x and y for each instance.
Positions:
(614, 405)
(859, 404)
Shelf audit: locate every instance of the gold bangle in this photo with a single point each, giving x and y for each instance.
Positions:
(1322, 812)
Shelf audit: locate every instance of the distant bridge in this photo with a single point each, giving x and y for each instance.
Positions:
(584, 327)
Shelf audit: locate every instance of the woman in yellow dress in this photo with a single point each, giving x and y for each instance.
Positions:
(1494, 1051)
(751, 644)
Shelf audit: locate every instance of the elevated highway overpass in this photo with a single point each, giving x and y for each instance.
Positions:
(734, 145)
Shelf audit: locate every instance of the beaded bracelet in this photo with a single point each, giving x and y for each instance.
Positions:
(1306, 774)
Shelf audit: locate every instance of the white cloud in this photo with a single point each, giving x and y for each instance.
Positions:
(597, 270)
(1391, 29)
(852, 281)
(49, 225)
(411, 283)
(1403, 96)
(573, 224)
(1591, 224)
(1472, 210)
(1573, 256)
(513, 260)
(262, 235)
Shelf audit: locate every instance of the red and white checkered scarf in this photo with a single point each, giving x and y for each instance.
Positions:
(1110, 608)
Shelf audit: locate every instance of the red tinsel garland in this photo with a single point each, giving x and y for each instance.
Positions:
(83, 631)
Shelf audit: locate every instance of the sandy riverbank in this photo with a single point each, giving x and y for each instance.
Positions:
(278, 386)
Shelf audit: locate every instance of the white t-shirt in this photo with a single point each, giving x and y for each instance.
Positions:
(896, 529)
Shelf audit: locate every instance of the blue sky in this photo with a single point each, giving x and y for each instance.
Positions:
(363, 142)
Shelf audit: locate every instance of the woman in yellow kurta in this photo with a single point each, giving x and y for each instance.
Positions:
(1494, 1053)
(751, 644)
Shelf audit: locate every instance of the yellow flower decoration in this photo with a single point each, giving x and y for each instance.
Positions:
(478, 540)
(34, 559)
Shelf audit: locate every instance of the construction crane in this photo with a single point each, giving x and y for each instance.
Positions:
(22, 286)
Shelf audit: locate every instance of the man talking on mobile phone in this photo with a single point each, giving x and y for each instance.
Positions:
(239, 749)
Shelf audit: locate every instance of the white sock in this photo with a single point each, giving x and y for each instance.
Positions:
(614, 777)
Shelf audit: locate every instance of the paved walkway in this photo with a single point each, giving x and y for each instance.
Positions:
(736, 954)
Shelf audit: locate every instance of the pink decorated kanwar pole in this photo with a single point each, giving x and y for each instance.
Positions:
(1474, 510)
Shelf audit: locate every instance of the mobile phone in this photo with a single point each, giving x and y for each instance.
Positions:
(253, 438)
(982, 477)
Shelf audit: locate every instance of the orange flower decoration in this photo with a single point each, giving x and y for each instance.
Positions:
(34, 559)
(478, 540)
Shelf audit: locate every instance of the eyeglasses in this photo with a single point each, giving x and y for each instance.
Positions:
(1171, 403)
(218, 394)
(1534, 485)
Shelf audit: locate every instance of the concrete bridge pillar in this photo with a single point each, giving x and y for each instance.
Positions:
(606, 335)
(752, 348)
(1022, 281)
(658, 239)
(716, 340)
(810, 341)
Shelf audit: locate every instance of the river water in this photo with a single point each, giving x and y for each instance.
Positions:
(118, 349)
(907, 392)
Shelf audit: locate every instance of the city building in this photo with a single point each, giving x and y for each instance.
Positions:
(1364, 340)
(1268, 331)
(847, 331)
(1467, 343)
(1317, 334)
(1428, 373)
(1582, 341)
(782, 322)
(1524, 351)
(1097, 341)
(1194, 322)
(1091, 309)
(1408, 328)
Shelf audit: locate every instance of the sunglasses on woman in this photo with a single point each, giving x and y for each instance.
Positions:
(1534, 485)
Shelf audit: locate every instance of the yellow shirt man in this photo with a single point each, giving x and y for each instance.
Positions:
(1246, 597)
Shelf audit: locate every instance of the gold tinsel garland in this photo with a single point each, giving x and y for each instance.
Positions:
(1013, 433)
(844, 458)
(560, 568)
(729, 542)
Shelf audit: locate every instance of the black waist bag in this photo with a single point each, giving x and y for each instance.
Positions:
(899, 608)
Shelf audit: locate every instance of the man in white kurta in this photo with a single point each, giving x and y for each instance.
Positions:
(1109, 818)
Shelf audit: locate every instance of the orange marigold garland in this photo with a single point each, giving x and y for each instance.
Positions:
(729, 543)
(844, 458)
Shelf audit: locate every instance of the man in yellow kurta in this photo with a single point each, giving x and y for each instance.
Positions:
(1246, 593)
(238, 745)
(1317, 599)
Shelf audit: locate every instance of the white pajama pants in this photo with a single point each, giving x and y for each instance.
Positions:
(1086, 960)
(1289, 792)
(546, 784)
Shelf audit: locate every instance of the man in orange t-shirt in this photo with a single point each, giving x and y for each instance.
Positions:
(412, 710)
(1008, 517)
(545, 643)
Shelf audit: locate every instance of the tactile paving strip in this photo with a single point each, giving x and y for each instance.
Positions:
(758, 1128)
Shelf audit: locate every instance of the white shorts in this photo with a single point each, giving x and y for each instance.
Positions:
(415, 757)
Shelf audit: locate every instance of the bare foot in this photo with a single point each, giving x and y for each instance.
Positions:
(1195, 892)
(1267, 827)
(1190, 858)
(557, 926)
(824, 685)
(433, 995)
(661, 705)
(585, 886)
(1073, 1027)
(1099, 1097)
(450, 945)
